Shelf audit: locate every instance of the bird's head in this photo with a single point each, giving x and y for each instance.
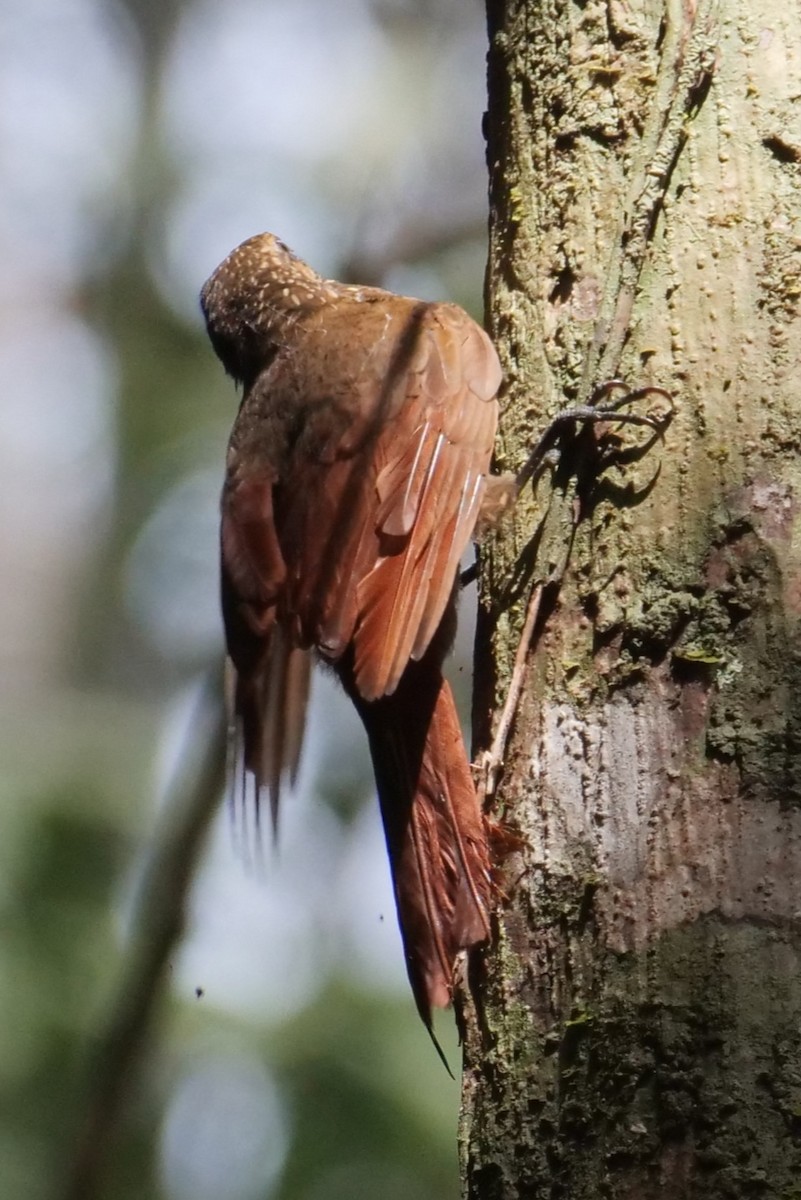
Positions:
(248, 300)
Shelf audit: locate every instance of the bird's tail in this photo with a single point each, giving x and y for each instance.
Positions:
(434, 828)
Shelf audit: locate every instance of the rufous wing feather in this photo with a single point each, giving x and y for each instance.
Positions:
(270, 674)
(432, 461)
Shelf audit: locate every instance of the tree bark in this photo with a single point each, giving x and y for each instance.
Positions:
(635, 1028)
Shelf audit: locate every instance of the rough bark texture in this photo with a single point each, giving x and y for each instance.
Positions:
(635, 1030)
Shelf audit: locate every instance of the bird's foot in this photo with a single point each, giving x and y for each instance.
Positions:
(604, 406)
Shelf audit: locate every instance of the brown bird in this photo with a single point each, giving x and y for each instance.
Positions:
(356, 471)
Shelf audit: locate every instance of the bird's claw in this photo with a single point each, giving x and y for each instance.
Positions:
(612, 408)
(543, 454)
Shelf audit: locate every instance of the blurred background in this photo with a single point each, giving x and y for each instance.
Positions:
(139, 142)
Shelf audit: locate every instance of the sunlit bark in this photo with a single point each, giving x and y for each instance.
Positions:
(635, 1030)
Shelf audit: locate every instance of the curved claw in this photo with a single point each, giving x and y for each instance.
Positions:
(630, 395)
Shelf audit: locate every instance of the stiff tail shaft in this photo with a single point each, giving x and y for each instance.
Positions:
(434, 828)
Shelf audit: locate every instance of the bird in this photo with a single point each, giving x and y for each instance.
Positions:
(357, 469)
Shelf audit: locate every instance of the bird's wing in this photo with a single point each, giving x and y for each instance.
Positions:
(431, 461)
(383, 487)
(270, 683)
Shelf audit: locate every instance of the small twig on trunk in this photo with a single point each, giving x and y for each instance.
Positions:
(490, 764)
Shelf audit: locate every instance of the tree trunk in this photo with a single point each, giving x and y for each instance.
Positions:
(635, 1028)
